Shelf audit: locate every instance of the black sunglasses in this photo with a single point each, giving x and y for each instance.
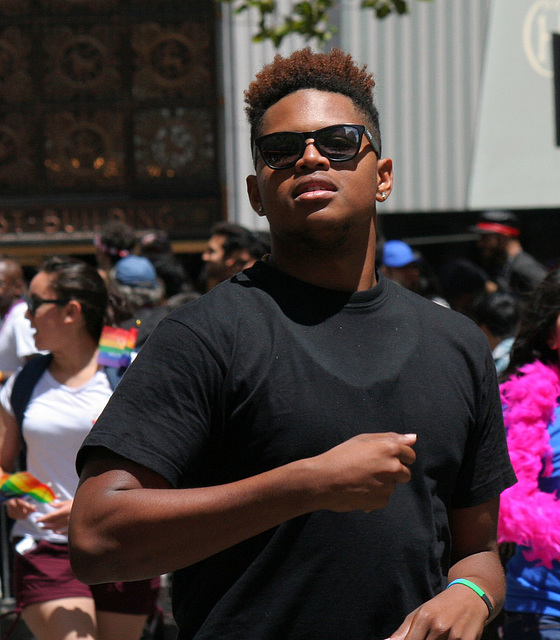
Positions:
(34, 302)
(338, 143)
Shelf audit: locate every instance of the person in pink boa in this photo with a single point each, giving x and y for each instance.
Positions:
(530, 510)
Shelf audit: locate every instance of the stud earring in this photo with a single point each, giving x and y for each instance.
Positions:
(383, 194)
(261, 209)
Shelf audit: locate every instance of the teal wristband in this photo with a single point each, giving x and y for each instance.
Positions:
(477, 590)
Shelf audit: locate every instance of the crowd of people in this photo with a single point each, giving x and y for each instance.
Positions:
(66, 306)
(516, 304)
(491, 291)
(310, 436)
(53, 390)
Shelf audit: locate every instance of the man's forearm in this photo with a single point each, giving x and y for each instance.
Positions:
(459, 612)
(128, 524)
(485, 570)
(136, 533)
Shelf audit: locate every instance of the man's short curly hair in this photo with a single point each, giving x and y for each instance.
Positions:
(335, 71)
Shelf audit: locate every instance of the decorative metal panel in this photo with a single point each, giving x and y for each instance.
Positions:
(112, 102)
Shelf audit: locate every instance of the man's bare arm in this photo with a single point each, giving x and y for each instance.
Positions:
(128, 524)
(458, 612)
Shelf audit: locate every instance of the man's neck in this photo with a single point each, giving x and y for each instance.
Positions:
(74, 367)
(338, 273)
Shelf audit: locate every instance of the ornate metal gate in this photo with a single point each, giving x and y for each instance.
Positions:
(108, 108)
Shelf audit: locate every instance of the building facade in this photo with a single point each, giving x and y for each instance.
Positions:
(134, 110)
(465, 90)
(108, 109)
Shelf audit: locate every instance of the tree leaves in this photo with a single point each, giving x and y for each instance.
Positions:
(308, 18)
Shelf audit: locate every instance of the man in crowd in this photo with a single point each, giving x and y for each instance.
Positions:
(135, 278)
(400, 264)
(17, 344)
(231, 248)
(507, 264)
(311, 448)
(497, 314)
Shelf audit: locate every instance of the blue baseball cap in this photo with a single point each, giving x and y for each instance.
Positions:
(397, 253)
(136, 271)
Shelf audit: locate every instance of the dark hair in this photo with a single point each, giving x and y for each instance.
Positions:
(155, 243)
(77, 280)
(460, 277)
(170, 271)
(261, 244)
(236, 237)
(116, 239)
(335, 71)
(538, 321)
(498, 311)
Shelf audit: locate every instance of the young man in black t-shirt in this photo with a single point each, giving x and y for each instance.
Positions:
(313, 450)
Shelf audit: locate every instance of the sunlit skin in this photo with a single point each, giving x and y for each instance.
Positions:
(61, 330)
(213, 256)
(46, 320)
(218, 266)
(321, 213)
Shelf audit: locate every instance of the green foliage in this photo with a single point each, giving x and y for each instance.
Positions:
(308, 18)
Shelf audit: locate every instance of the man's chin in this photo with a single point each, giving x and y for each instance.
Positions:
(326, 237)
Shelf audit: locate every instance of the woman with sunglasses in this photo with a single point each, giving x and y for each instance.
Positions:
(67, 306)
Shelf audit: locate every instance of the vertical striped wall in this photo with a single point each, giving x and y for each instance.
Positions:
(427, 67)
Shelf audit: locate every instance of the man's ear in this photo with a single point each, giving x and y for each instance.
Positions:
(384, 178)
(254, 195)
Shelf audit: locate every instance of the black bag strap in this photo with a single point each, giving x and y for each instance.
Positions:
(114, 375)
(25, 382)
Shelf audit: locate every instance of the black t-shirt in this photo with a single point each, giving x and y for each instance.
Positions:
(266, 369)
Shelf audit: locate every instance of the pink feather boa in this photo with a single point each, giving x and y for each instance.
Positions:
(528, 516)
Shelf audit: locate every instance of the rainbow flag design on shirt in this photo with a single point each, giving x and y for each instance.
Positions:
(23, 483)
(116, 345)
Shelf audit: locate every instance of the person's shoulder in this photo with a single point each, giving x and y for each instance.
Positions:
(435, 317)
(17, 312)
(235, 291)
(422, 304)
(223, 306)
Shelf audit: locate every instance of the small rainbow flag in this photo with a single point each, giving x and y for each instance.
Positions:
(23, 483)
(116, 345)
